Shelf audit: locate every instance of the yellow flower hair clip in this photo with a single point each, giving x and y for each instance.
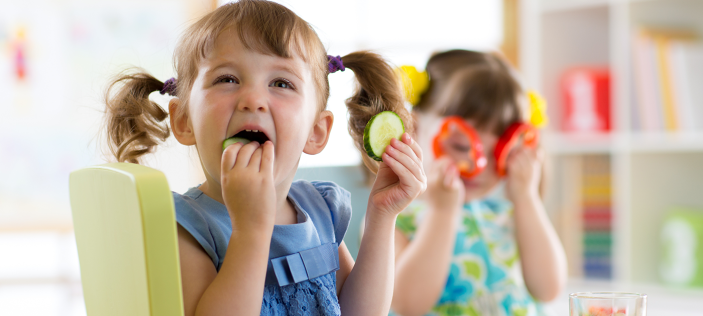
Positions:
(538, 109)
(415, 83)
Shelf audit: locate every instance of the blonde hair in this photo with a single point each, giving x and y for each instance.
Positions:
(135, 124)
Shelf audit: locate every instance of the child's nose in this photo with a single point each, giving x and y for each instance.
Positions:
(253, 100)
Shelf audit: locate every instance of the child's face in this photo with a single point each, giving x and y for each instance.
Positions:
(456, 147)
(239, 89)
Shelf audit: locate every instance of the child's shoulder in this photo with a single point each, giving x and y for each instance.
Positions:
(312, 193)
(327, 189)
(206, 220)
(324, 201)
(195, 203)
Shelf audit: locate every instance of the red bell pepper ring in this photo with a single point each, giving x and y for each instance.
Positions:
(476, 160)
(517, 134)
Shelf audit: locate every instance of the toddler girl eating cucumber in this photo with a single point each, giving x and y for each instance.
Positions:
(250, 95)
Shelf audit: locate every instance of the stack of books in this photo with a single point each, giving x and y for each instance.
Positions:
(667, 80)
(597, 217)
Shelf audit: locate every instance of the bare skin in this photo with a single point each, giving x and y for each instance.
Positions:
(422, 265)
(238, 89)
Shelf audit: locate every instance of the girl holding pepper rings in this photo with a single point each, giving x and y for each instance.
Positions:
(479, 241)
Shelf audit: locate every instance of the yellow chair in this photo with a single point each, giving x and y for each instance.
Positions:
(125, 227)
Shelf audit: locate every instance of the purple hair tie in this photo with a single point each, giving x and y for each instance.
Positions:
(334, 64)
(169, 87)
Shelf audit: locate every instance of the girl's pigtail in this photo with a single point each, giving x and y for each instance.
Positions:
(379, 90)
(134, 123)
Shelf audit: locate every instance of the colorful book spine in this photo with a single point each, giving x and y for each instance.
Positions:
(665, 86)
(597, 217)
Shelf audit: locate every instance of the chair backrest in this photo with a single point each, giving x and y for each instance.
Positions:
(125, 226)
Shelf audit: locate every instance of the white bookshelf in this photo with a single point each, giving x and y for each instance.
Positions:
(650, 172)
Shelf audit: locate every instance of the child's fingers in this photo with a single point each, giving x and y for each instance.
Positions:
(405, 160)
(522, 158)
(244, 155)
(404, 175)
(440, 169)
(413, 145)
(539, 153)
(381, 166)
(408, 164)
(450, 176)
(255, 160)
(534, 154)
(229, 156)
(437, 170)
(267, 155)
(406, 149)
(527, 155)
(517, 154)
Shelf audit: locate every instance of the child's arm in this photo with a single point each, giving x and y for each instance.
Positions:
(346, 264)
(197, 270)
(541, 253)
(247, 171)
(422, 265)
(368, 289)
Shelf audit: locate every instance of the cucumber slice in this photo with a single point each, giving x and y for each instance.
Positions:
(379, 131)
(233, 140)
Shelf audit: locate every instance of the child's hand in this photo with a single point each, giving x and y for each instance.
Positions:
(444, 186)
(247, 185)
(400, 178)
(524, 170)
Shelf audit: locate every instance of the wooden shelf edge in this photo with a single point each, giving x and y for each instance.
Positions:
(637, 143)
(575, 5)
(584, 5)
(569, 144)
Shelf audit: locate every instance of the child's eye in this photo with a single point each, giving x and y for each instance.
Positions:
(226, 79)
(281, 83)
(461, 147)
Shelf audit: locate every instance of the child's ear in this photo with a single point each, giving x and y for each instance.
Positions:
(180, 125)
(319, 134)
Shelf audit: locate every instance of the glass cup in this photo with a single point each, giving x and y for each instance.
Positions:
(607, 304)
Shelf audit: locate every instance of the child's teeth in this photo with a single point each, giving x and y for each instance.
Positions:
(248, 130)
(256, 131)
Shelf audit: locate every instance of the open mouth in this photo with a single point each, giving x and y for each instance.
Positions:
(252, 135)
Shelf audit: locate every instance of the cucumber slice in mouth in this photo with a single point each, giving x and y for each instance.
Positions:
(234, 140)
(379, 131)
(245, 137)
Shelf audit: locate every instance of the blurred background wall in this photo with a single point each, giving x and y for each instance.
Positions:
(623, 80)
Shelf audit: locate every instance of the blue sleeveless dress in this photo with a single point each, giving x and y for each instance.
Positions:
(323, 210)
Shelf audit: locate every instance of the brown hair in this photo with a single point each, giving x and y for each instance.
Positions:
(134, 122)
(474, 85)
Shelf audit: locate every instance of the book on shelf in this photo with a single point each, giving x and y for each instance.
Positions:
(666, 67)
(596, 215)
(586, 96)
(585, 218)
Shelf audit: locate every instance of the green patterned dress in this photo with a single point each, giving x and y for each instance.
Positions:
(485, 276)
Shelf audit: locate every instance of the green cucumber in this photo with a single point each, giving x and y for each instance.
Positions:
(379, 131)
(233, 140)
